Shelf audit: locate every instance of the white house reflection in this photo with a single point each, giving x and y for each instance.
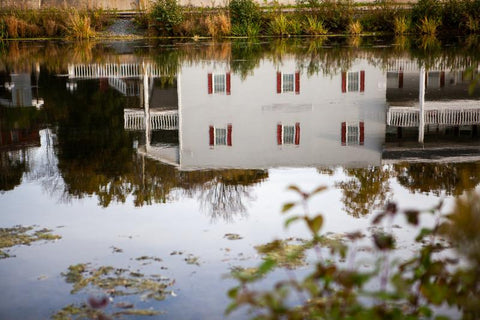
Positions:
(279, 117)
(443, 119)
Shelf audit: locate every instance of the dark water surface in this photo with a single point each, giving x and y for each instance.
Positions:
(131, 149)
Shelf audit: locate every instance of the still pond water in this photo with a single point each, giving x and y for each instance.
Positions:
(172, 160)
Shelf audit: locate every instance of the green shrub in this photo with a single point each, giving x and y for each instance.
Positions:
(167, 15)
(432, 9)
(340, 285)
(336, 14)
(380, 17)
(249, 30)
(244, 13)
(453, 14)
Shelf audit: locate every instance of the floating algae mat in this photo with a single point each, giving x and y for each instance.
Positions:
(113, 282)
(20, 235)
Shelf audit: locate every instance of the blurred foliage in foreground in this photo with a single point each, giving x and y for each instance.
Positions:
(440, 277)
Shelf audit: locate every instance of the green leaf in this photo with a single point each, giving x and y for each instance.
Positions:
(423, 233)
(290, 220)
(266, 266)
(232, 293)
(314, 224)
(288, 206)
(231, 307)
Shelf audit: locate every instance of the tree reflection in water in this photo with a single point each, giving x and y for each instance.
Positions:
(224, 196)
(451, 178)
(367, 189)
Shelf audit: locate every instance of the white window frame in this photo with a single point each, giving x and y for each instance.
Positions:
(357, 73)
(214, 82)
(217, 136)
(294, 84)
(284, 136)
(294, 132)
(352, 130)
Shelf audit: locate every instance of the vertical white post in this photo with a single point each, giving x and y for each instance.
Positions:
(179, 114)
(146, 104)
(421, 100)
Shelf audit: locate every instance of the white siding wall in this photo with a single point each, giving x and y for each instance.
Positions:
(254, 108)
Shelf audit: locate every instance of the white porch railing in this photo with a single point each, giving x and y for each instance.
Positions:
(111, 70)
(159, 120)
(436, 113)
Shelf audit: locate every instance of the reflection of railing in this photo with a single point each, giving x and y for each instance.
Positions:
(159, 120)
(127, 89)
(111, 70)
(436, 113)
(413, 65)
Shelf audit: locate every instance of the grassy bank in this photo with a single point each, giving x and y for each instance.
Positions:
(17, 22)
(166, 18)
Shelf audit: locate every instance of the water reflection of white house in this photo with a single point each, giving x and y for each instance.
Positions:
(275, 117)
(431, 102)
(279, 116)
(446, 101)
(20, 92)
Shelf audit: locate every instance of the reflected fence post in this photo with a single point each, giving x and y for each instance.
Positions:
(421, 100)
(146, 104)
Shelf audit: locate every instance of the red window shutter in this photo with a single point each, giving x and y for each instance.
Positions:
(229, 134)
(362, 81)
(344, 82)
(210, 133)
(279, 134)
(210, 84)
(362, 133)
(442, 79)
(344, 133)
(279, 82)
(297, 133)
(297, 82)
(400, 79)
(228, 82)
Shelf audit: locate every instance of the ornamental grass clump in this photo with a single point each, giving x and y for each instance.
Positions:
(314, 26)
(355, 28)
(217, 25)
(401, 25)
(428, 26)
(78, 26)
(279, 26)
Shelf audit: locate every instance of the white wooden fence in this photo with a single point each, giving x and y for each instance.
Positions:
(436, 113)
(159, 120)
(111, 70)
